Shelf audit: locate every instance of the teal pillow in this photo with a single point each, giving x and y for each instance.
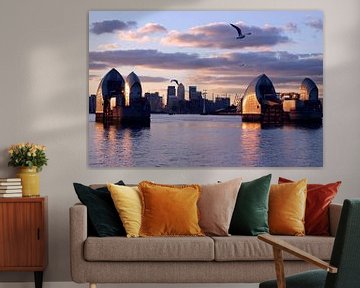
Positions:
(250, 216)
(103, 218)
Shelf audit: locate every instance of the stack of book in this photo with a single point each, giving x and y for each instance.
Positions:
(10, 187)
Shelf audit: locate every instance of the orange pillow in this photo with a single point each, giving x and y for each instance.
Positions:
(287, 204)
(318, 200)
(169, 210)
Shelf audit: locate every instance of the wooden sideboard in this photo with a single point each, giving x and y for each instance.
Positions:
(23, 235)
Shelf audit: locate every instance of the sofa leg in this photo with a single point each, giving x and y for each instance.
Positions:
(92, 285)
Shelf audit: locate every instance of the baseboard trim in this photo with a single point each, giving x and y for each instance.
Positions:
(74, 285)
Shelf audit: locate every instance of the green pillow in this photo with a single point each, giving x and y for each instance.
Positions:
(250, 216)
(103, 218)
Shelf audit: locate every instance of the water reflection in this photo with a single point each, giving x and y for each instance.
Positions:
(250, 142)
(204, 141)
(250, 125)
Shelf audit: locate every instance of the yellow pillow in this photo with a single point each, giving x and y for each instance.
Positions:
(127, 201)
(287, 204)
(169, 210)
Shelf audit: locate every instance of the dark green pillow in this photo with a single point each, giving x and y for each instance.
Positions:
(250, 216)
(103, 218)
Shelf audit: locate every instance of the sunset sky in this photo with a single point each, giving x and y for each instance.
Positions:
(200, 48)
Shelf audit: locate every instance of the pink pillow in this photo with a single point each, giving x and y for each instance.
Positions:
(216, 206)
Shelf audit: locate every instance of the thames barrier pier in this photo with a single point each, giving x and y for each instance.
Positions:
(114, 105)
(261, 103)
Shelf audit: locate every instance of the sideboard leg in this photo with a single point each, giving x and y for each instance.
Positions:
(38, 279)
(92, 285)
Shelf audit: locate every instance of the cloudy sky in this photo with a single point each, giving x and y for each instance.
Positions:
(200, 48)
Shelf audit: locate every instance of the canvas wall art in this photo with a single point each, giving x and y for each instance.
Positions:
(205, 89)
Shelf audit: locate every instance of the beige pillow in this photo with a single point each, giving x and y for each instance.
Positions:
(216, 206)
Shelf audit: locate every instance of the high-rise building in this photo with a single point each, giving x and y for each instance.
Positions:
(192, 93)
(195, 100)
(181, 92)
(222, 102)
(171, 92)
(155, 101)
(198, 95)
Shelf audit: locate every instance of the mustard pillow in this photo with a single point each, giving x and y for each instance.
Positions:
(127, 201)
(169, 210)
(287, 204)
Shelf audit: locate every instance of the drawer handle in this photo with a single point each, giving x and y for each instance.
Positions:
(38, 234)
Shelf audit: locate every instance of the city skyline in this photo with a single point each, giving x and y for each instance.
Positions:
(199, 48)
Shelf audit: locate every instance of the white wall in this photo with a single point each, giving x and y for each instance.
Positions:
(43, 77)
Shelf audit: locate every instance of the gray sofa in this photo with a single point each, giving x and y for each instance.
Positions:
(234, 259)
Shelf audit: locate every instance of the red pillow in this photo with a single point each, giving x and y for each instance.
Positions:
(319, 197)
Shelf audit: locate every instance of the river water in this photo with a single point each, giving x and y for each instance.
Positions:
(204, 141)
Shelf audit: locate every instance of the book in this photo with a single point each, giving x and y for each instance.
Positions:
(10, 183)
(4, 195)
(10, 180)
(10, 191)
(10, 188)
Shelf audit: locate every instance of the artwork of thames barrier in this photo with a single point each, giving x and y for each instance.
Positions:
(205, 89)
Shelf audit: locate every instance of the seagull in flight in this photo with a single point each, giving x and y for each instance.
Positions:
(240, 34)
(174, 80)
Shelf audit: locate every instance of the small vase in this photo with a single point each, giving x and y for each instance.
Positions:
(30, 181)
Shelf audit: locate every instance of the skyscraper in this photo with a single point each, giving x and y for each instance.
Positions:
(192, 92)
(171, 92)
(155, 101)
(181, 92)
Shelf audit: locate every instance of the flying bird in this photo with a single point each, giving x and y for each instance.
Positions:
(240, 34)
(174, 80)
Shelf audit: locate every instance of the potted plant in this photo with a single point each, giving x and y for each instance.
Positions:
(30, 158)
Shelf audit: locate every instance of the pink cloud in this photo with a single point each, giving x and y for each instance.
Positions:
(151, 28)
(108, 46)
(143, 33)
(222, 35)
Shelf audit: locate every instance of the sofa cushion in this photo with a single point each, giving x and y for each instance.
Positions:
(149, 249)
(127, 201)
(287, 204)
(216, 205)
(102, 216)
(250, 215)
(169, 210)
(318, 199)
(245, 248)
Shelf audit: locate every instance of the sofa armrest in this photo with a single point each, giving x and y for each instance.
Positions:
(78, 235)
(334, 217)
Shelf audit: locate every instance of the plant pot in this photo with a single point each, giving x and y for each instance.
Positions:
(30, 181)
